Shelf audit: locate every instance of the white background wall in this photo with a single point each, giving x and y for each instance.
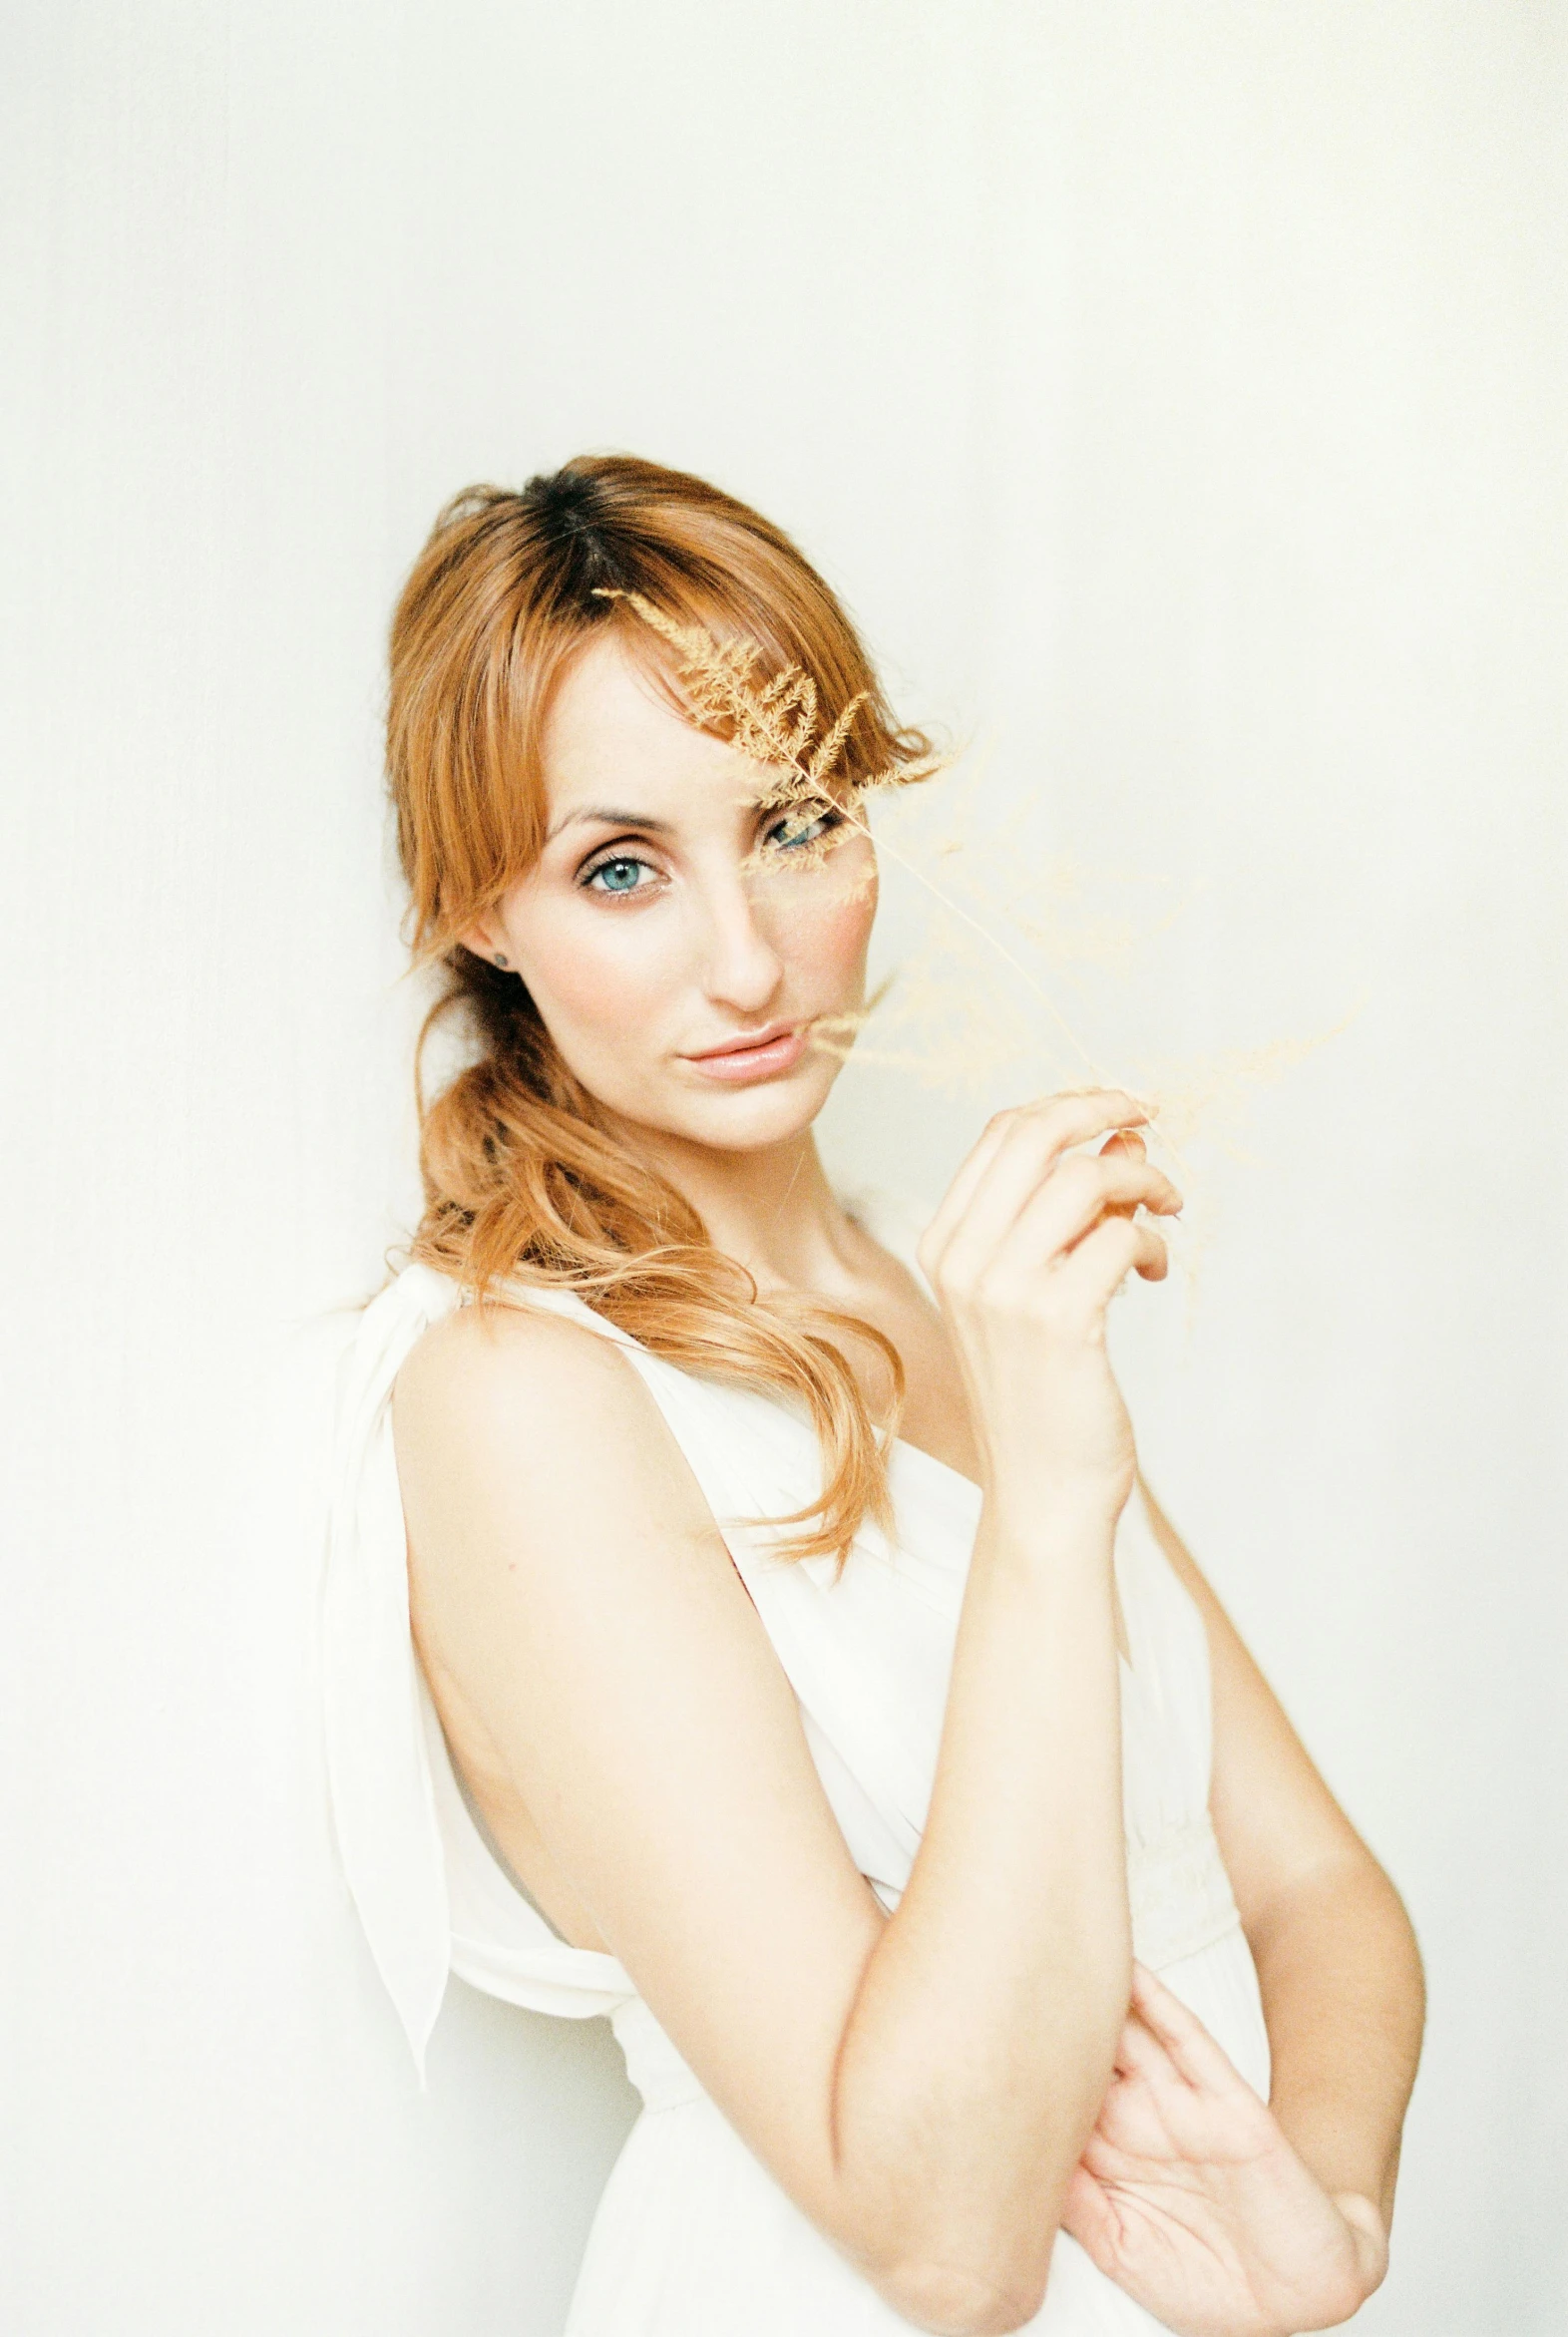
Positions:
(1176, 395)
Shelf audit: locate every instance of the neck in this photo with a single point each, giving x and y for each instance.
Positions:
(772, 1208)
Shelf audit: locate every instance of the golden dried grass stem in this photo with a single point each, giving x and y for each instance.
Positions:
(774, 725)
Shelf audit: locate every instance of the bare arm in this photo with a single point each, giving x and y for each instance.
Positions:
(1338, 1965)
(1219, 2212)
(921, 2085)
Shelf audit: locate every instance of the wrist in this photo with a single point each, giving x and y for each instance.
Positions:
(1049, 1524)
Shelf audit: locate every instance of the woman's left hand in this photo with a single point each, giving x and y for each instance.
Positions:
(1191, 2199)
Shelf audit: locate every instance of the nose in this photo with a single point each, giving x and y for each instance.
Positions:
(741, 968)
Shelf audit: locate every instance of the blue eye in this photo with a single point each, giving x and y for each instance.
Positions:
(790, 835)
(620, 875)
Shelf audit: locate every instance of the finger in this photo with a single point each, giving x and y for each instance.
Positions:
(1201, 2061)
(1091, 1272)
(1078, 1195)
(1125, 2062)
(1139, 2053)
(1015, 1153)
(1072, 1118)
(1041, 1131)
(1124, 1144)
(1088, 2216)
(971, 1168)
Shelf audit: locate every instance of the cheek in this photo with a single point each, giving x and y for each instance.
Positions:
(591, 977)
(829, 925)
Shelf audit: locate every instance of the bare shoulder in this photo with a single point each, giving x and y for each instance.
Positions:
(573, 1595)
(531, 1440)
(499, 1356)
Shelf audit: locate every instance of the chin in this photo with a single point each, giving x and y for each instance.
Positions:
(750, 1118)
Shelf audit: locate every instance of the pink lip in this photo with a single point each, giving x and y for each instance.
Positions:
(772, 1050)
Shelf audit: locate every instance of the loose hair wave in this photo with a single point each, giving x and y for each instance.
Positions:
(523, 1183)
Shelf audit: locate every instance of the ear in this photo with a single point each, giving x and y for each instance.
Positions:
(482, 939)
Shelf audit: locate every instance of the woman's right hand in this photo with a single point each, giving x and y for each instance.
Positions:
(1031, 1242)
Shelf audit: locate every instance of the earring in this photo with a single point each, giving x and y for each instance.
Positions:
(500, 961)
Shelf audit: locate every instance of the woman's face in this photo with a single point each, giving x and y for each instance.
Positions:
(678, 942)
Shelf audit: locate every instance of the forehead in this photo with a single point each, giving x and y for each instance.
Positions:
(609, 723)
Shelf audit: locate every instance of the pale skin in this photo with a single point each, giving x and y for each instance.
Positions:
(623, 1725)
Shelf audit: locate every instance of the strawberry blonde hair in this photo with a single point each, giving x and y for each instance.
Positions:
(524, 1182)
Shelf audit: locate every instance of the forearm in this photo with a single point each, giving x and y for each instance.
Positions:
(980, 2042)
(1343, 1998)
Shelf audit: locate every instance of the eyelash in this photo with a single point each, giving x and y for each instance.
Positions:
(825, 821)
(617, 857)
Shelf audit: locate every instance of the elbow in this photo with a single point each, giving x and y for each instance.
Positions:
(956, 2300)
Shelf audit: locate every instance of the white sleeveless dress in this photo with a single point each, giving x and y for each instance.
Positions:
(693, 2237)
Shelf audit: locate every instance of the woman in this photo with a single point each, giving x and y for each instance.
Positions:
(803, 1676)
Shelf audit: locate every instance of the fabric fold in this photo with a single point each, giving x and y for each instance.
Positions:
(430, 1896)
(378, 1770)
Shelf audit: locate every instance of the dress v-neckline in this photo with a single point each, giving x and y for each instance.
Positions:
(934, 1460)
(1125, 1657)
(863, 1210)
(863, 1217)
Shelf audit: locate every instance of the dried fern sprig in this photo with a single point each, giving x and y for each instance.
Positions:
(773, 723)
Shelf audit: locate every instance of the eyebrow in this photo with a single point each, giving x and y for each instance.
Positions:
(611, 818)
